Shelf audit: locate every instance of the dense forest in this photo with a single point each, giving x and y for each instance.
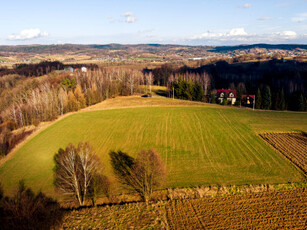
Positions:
(285, 80)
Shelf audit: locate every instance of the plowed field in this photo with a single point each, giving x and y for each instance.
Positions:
(291, 145)
(274, 210)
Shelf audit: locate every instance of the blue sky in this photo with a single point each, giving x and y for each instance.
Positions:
(192, 22)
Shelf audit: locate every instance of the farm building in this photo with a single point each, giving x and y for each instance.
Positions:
(83, 69)
(248, 99)
(68, 69)
(231, 95)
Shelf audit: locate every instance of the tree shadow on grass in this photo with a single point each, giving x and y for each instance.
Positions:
(161, 93)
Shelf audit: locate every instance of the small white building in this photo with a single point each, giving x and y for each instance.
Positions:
(69, 69)
(83, 69)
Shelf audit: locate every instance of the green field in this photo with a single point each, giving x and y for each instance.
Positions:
(199, 144)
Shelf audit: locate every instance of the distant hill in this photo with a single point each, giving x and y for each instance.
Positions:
(140, 47)
(262, 46)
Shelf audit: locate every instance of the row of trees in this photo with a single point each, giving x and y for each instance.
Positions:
(30, 70)
(27, 101)
(54, 97)
(246, 78)
(277, 101)
(78, 172)
(187, 90)
(40, 69)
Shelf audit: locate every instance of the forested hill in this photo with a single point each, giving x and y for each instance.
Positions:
(141, 47)
(260, 46)
(39, 49)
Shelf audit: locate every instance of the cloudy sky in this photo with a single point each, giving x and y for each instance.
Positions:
(192, 22)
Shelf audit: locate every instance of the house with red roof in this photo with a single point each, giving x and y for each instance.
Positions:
(248, 99)
(230, 93)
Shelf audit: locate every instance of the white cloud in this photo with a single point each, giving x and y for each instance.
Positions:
(300, 17)
(237, 32)
(265, 18)
(239, 35)
(287, 33)
(245, 6)
(232, 33)
(28, 34)
(129, 17)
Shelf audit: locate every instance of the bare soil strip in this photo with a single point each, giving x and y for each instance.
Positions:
(268, 210)
(285, 209)
(291, 145)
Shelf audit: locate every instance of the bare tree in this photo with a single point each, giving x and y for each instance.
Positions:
(150, 171)
(149, 80)
(74, 170)
(142, 175)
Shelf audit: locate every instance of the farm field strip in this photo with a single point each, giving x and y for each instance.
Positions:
(261, 210)
(269, 210)
(291, 145)
(201, 145)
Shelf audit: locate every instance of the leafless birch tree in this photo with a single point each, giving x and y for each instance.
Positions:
(74, 170)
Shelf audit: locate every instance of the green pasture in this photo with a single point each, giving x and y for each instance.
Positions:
(200, 145)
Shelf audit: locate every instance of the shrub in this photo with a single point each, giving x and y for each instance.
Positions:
(27, 210)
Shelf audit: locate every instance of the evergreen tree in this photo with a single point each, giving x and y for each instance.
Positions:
(241, 89)
(277, 101)
(258, 99)
(282, 102)
(179, 88)
(266, 98)
(300, 103)
(198, 92)
(188, 92)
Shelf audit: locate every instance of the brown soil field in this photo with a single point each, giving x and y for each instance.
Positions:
(291, 145)
(285, 209)
(272, 210)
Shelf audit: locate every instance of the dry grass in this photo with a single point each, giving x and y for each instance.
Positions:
(261, 207)
(126, 216)
(138, 101)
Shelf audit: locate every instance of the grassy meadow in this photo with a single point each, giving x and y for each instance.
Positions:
(200, 144)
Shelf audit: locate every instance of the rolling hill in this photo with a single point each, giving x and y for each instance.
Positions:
(201, 144)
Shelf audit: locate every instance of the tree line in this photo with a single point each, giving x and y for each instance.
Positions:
(40, 69)
(286, 79)
(29, 101)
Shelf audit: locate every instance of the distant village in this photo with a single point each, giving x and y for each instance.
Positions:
(154, 56)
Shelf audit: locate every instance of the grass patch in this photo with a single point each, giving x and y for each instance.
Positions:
(201, 145)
